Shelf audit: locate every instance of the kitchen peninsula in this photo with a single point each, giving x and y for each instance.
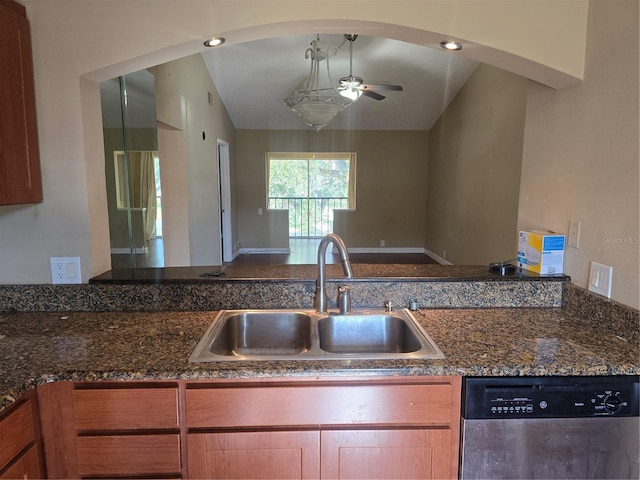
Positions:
(485, 324)
(123, 339)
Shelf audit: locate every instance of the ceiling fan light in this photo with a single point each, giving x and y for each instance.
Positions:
(351, 81)
(351, 93)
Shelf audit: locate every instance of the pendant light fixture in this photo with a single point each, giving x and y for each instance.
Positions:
(318, 106)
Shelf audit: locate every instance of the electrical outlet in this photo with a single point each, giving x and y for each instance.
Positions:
(65, 270)
(600, 279)
(382, 243)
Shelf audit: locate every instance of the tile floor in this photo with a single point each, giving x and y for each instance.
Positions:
(303, 251)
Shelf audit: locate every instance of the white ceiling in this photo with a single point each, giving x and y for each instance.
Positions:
(253, 78)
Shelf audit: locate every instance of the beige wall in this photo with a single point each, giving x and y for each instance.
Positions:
(581, 151)
(78, 43)
(475, 153)
(182, 92)
(390, 186)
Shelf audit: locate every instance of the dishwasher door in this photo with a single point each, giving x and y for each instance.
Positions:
(551, 428)
(571, 448)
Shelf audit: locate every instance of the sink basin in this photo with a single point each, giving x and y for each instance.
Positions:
(256, 333)
(366, 334)
(305, 335)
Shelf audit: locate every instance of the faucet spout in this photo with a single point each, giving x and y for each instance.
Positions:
(320, 301)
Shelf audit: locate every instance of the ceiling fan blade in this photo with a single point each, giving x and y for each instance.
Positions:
(371, 86)
(372, 94)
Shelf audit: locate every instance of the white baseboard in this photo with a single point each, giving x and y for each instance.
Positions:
(260, 251)
(126, 251)
(386, 250)
(437, 258)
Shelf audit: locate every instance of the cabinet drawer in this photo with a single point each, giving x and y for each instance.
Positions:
(128, 454)
(426, 405)
(125, 409)
(16, 432)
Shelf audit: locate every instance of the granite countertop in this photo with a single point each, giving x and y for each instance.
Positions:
(304, 273)
(50, 346)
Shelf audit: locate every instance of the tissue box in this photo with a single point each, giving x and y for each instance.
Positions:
(541, 252)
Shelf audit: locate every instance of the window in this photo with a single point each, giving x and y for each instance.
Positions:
(141, 181)
(311, 186)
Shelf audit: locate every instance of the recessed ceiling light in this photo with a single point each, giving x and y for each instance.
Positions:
(451, 45)
(214, 42)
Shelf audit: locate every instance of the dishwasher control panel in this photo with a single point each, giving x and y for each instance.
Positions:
(548, 397)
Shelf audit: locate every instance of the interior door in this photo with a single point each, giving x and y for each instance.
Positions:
(226, 239)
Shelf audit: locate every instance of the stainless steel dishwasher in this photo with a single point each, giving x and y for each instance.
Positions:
(550, 427)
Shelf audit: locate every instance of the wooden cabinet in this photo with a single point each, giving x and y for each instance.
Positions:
(387, 453)
(20, 446)
(25, 466)
(98, 429)
(127, 431)
(274, 454)
(399, 428)
(19, 156)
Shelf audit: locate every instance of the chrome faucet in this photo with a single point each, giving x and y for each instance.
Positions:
(320, 301)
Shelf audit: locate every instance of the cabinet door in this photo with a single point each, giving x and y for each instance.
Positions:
(19, 157)
(17, 432)
(384, 454)
(28, 466)
(251, 455)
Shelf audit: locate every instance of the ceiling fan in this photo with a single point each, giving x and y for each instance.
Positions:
(353, 87)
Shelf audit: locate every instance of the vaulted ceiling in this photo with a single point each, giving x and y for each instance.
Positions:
(254, 78)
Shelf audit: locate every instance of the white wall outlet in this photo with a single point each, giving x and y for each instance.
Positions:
(382, 243)
(574, 234)
(600, 279)
(260, 211)
(65, 270)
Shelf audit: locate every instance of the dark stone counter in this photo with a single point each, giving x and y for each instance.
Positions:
(303, 273)
(53, 346)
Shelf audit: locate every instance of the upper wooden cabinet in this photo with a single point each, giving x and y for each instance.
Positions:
(20, 180)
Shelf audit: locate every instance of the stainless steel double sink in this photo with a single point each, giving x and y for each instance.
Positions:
(242, 335)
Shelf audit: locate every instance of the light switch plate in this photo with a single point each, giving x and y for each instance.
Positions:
(574, 234)
(600, 279)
